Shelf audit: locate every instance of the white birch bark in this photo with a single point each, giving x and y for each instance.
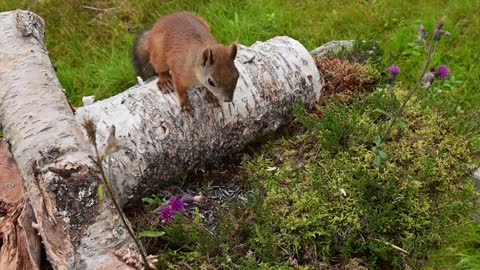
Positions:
(159, 142)
(78, 231)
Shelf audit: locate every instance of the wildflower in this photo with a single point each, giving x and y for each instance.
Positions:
(394, 70)
(177, 204)
(91, 129)
(445, 33)
(422, 34)
(443, 72)
(166, 213)
(441, 23)
(438, 30)
(429, 78)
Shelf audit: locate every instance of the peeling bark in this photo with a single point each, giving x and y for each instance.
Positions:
(159, 142)
(77, 229)
(19, 243)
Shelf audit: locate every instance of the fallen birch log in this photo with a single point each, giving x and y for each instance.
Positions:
(78, 230)
(159, 142)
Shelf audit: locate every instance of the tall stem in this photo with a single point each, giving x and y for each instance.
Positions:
(119, 210)
(431, 53)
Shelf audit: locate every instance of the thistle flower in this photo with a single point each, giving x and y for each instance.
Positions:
(177, 204)
(166, 213)
(445, 33)
(441, 23)
(443, 72)
(394, 70)
(91, 129)
(429, 78)
(438, 29)
(422, 33)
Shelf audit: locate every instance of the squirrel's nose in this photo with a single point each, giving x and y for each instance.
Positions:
(228, 99)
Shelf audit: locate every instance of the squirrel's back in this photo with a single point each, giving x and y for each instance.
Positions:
(178, 34)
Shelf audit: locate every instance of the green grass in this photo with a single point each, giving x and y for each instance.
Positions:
(92, 51)
(464, 253)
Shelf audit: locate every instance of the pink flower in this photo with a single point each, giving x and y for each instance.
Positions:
(177, 204)
(443, 72)
(166, 213)
(394, 70)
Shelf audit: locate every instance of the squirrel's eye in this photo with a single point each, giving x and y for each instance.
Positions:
(212, 84)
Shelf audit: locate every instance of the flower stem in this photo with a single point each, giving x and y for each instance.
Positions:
(119, 209)
(432, 48)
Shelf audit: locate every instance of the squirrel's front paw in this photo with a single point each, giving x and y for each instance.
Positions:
(187, 108)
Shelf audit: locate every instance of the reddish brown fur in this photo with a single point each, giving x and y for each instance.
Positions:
(182, 51)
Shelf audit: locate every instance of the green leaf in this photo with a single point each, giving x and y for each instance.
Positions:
(149, 201)
(375, 149)
(101, 194)
(377, 161)
(383, 155)
(378, 140)
(150, 234)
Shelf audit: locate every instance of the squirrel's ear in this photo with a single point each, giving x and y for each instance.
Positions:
(208, 57)
(233, 51)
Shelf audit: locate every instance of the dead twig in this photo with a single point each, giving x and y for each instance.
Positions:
(391, 245)
(98, 9)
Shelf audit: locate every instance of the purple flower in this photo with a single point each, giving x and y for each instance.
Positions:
(166, 213)
(394, 70)
(443, 72)
(177, 204)
(429, 78)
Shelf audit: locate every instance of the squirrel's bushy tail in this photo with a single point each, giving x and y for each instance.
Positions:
(141, 56)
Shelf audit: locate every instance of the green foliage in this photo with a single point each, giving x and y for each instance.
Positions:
(326, 199)
(464, 253)
(153, 202)
(380, 155)
(144, 234)
(341, 203)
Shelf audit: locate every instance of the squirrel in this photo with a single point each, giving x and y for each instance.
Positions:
(182, 51)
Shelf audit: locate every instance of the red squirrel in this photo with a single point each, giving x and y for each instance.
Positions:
(182, 51)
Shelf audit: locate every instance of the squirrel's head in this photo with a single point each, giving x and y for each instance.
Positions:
(218, 72)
